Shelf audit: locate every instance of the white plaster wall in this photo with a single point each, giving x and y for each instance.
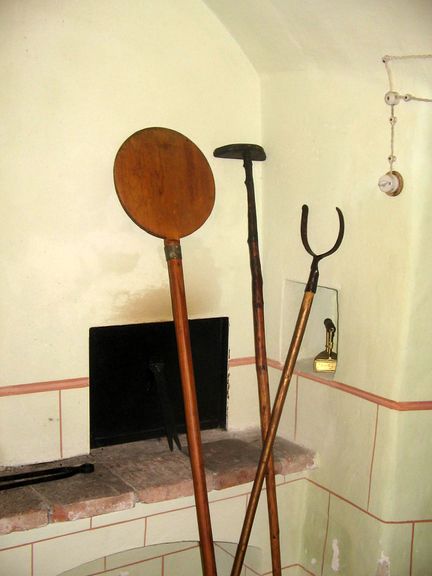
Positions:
(329, 153)
(326, 133)
(77, 79)
(416, 352)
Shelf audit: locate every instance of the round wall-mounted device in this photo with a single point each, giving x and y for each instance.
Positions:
(391, 183)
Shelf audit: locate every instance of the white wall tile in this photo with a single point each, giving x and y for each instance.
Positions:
(403, 460)
(29, 428)
(141, 510)
(75, 422)
(253, 556)
(227, 518)
(174, 526)
(52, 557)
(16, 562)
(290, 499)
(340, 428)
(286, 427)
(44, 533)
(183, 563)
(243, 408)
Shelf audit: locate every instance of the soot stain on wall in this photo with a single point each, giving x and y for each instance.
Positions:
(142, 306)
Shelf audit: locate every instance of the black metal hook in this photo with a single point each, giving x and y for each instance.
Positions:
(312, 283)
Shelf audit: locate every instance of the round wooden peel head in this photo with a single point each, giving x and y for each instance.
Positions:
(164, 182)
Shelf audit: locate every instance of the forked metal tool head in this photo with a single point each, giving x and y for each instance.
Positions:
(312, 283)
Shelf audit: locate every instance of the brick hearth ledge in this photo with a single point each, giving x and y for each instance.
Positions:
(144, 471)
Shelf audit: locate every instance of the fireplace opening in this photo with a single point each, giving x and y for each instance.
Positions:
(135, 386)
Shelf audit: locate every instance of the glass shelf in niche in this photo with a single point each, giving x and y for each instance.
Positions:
(325, 305)
(169, 559)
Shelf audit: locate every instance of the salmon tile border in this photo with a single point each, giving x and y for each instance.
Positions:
(68, 384)
(403, 406)
(50, 386)
(245, 361)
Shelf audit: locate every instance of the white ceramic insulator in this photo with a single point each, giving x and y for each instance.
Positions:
(391, 98)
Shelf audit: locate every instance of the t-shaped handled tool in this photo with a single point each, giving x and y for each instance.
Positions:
(248, 153)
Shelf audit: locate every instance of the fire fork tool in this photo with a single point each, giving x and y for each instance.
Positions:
(285, 380)
(248, 153)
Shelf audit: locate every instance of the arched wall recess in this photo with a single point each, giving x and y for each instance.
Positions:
(392, 183)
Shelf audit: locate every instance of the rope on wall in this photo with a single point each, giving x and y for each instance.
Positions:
(392, 182)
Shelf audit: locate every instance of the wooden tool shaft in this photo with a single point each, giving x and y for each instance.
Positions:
(272, 430)
(261, 365)
(166, 186)
(178, 300)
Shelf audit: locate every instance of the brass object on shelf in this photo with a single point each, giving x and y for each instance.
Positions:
(326, 360)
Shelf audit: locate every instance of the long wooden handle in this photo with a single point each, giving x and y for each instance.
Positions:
(272, 430)
(261, 365)
(178, 300)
